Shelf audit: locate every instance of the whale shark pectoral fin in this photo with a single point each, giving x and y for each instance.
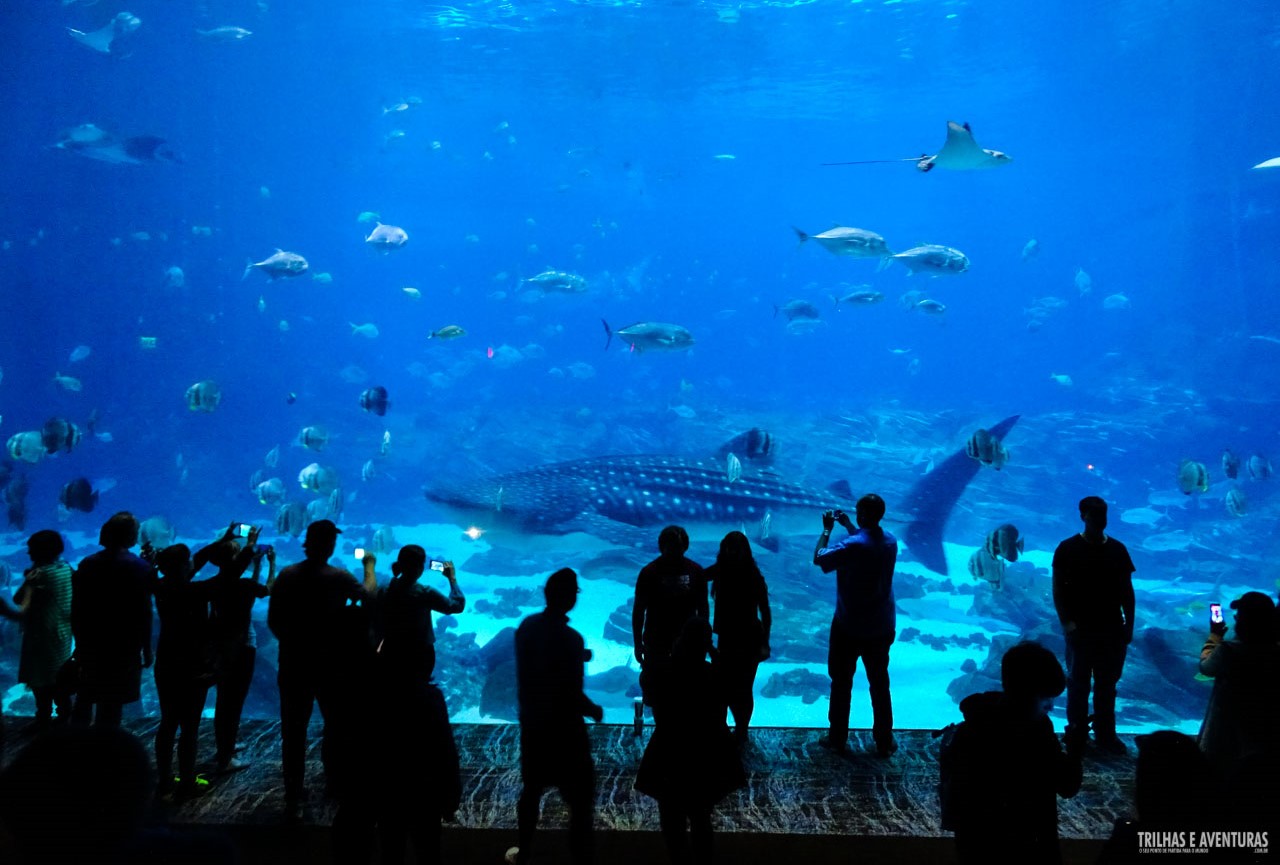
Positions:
(935, 495)
(842, 488)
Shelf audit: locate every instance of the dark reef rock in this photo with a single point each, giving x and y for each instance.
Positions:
(805, 684)
(512, 603)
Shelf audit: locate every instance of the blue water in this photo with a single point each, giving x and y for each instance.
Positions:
(663, 152)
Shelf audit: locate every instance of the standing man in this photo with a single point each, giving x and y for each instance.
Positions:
(111, 621)
(1093, 594)
(307, 614)
(865, 621)
(554, 748)
(670, 591)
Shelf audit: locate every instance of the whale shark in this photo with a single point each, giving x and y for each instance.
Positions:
(613, 497)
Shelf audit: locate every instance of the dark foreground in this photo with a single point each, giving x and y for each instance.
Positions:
(801, 802)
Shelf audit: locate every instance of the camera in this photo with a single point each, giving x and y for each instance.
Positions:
(437, 565)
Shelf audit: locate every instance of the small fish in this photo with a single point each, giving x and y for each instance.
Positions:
(67, 383)
(79, 353)
(984, 566)
(797, 309)
(368, 471)
(1004, 542)
(1031, 250)
(279, 265)
(851, 242)
(1116, 301)
(1230, 464)
(412, 292)
(204, 396)
(59, 434)
(931, 307)
(683, 411)
(1259, 467)
(557, 281)
(272, 459)
(1193, 477)
(313, 437)
(174, 278)
(318, 479)
(385, 238)
(368, 216)
(1061, 378)
(933, 260)
(1236, 502)
(651, 336)
(385, 447)
(225, 34)
(262, 304)
(375, 400)
(27, 447)
(368, 331)
(79, 495)
(862, 297)
(1084, 282)
(270, 492)
(451, 331)
(987, 449)
(323, 278)
(732, 467)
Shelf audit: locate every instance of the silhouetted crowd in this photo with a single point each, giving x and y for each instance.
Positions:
(366, 655)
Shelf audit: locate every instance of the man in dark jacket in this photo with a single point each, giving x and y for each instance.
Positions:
(1093, 595)
(554, 748)
(670, 590)
(310, 616)
(111, 620)
(1007, 768)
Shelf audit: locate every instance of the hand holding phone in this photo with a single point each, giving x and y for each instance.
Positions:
(1217, 624)
(242, 530)
(437, 565)
(359, 554)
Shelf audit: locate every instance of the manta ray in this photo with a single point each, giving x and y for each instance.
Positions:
(959, 153)
(93, 142)
(622, 499)
(101, 39)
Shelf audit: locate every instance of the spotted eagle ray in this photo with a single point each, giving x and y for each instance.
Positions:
(959, 153)
(613, 496)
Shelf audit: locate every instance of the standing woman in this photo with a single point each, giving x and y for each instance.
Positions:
(44, 602)
(743, 622)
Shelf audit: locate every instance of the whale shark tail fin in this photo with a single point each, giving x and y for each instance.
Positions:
(935, 495)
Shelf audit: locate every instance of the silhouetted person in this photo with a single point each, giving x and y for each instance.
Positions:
(691, 761)
(1093, 594)
(1175, 790)
(404, 613)
(1241, 730)
(43, 606)
(670, 590)
(111, 619)
(185, 666)
(1008, 767)
(308, 615)
(742, 621)
(555, 750)
(414, 736)
(865, 620)
(231, 631)
(78, 796)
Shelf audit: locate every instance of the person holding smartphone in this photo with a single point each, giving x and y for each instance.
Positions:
(1240, 724)
(405, 632)
(231, 628)
(416, 740)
